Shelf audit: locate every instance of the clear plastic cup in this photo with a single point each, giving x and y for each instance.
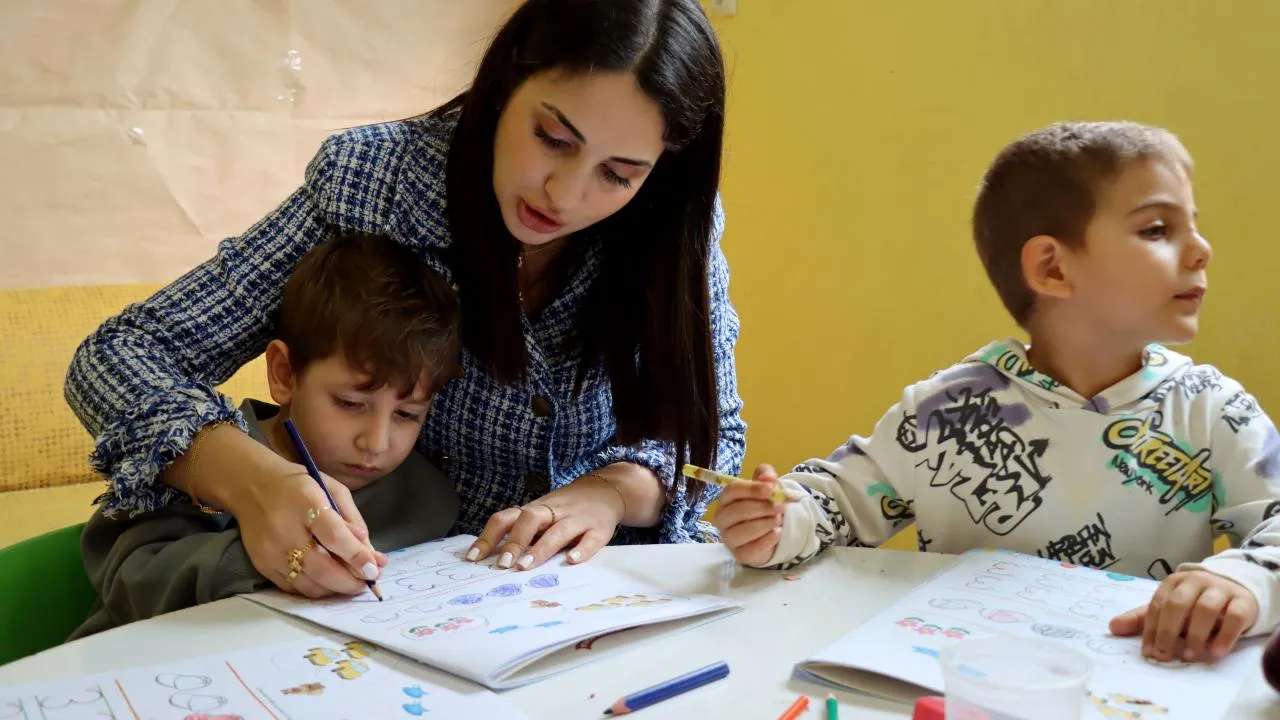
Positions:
(1007, 678)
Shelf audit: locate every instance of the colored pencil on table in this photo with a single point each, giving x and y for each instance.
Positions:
(833, 708)
(668, 689)
(712, 477)
(314, 472)
(800, 705)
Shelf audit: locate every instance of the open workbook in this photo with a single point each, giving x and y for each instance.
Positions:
(323, 677)
(895, 654)
(502, 628)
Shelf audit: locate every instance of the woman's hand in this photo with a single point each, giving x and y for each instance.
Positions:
(284, 513)
(272, 499)
(584, 513)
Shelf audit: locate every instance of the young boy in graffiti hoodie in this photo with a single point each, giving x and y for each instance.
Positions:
(1092, 445)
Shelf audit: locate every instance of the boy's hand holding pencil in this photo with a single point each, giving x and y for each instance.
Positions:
(749, 512)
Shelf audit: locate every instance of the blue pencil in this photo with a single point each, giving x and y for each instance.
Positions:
(314, 472)
(669, 689)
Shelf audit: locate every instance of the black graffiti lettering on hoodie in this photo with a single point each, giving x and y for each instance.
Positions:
(1240, 409)
(1089, 546)
(1192, 383)
(986, 463)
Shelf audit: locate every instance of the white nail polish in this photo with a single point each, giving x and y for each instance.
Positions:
(575, 555)
(473, 553)
(505, 560)
(524, 562)
(370, 571)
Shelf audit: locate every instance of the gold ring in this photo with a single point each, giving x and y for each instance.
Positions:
(293, 575)
(553, 512)
(314, 514)
(297, 556)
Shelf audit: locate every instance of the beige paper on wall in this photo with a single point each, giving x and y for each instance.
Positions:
(136, 134)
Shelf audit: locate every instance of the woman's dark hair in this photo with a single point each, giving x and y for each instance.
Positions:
(647, 315)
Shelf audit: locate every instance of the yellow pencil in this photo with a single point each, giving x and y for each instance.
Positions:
(693, 472)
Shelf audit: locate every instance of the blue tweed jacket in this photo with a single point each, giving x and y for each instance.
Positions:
(143, 383)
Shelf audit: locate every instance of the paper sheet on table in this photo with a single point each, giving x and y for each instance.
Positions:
(895, 653)
(325, 677)
(503, 628)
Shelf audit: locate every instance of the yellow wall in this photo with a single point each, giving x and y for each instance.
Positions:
(858, 131)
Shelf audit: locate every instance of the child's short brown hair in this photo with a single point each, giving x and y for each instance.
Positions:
(372, 299)
(1047, 183)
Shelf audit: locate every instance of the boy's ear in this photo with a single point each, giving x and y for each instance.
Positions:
(1044, 261)
(281, 379)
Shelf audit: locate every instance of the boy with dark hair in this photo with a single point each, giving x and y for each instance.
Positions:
(366, 336)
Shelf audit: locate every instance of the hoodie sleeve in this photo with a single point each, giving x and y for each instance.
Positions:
(860, 495)
(1246, 448)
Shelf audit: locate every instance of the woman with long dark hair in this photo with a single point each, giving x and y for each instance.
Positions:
(571, 197)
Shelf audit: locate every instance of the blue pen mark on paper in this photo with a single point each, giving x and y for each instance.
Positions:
(415, 691)
(504, 629)
(550, 623)
(468, 599)
(549, 580)
(414, 708)
(508, 590)
(1118, 577)
(925, 651)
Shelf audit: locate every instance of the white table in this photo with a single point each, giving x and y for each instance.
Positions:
(784, 622)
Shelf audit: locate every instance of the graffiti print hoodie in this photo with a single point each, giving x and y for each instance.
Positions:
(1138, 479)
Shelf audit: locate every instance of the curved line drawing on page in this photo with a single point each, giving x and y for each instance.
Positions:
(449, 626)
(92, 695)
(1107, 646)
(464, 572)
(423, 608)
(176, 681)
(546, 580)
(467, 599)
(1005, 616)
(380, 617)
(196, 702)
(1060, 632)
(955, 604)
(415, 584)
(434, 561)
(986, 582)
(1005, 568)
(13, 710)
(1082, 609)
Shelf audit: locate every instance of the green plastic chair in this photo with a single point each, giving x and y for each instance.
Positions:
(44, 592)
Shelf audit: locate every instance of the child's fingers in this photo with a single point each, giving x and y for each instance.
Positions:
(1173, 619)
(748, 532)
(1204, 617)
(1237, 617)
(758, 551)
(1129, 623)
(765, 474)
(745, 511)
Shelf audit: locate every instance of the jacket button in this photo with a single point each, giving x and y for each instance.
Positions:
(541, 406)
(536, 484)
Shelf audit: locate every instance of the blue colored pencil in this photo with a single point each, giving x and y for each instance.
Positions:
(314, 472)
(669, 689)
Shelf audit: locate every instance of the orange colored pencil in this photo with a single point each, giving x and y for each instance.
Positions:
(800, 705)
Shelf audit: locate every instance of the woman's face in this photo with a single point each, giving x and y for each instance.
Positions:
(571, 151)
